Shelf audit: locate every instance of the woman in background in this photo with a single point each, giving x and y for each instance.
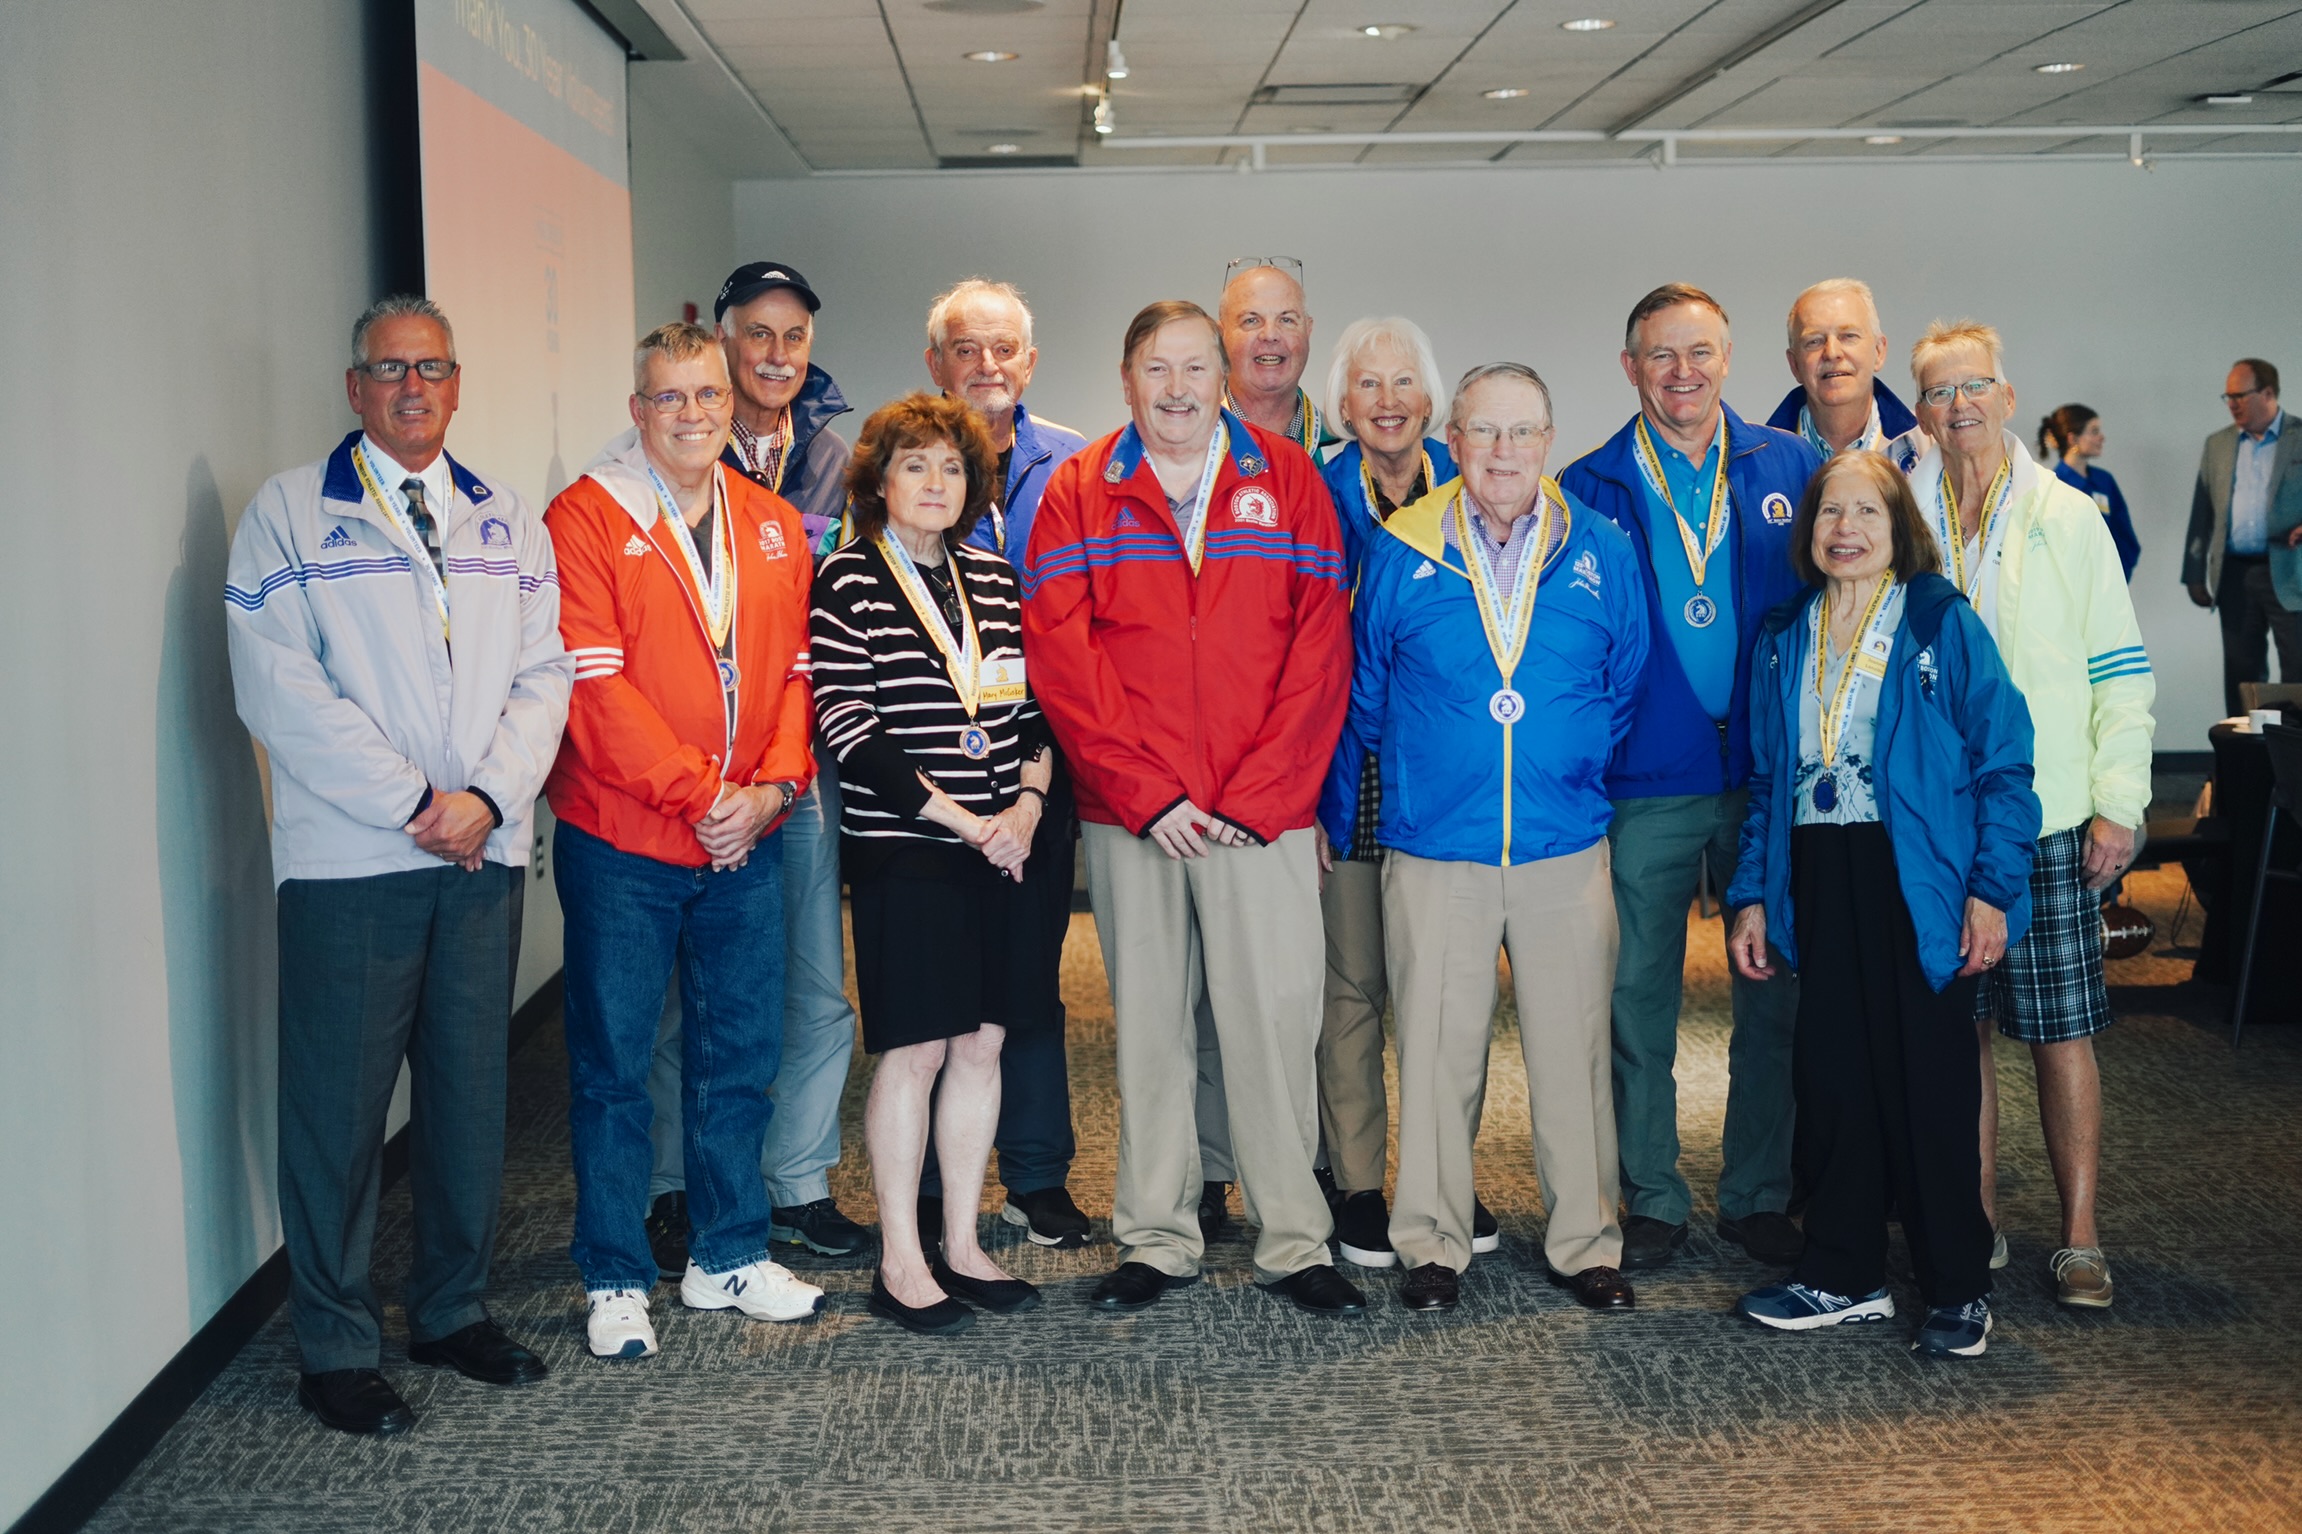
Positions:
(2070, 440)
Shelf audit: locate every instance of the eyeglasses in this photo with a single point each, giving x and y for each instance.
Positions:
(2232, 399)
(1487, 434)
(1288, 264)
(1943, 394)
(672, 401)
(393, 369)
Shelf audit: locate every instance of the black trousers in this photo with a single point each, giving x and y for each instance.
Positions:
(2252, 619)
(416, 966)
(1885, 1075)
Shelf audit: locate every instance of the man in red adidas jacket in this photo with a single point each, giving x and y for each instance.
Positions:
(684, 603)
(1189, 639)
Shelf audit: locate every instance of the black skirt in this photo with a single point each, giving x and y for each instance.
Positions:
(945, 943)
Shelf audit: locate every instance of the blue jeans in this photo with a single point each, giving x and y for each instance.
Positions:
(630, 919)
(818, 1025)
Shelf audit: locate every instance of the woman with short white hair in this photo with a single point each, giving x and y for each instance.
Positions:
(1385, 393)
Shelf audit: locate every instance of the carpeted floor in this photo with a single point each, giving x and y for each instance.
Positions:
(1224, 1409)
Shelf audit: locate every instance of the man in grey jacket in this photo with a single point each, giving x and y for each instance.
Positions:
(2238, 546)
(394, 628)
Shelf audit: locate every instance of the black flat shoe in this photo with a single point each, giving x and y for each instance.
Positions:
(1000, 1296)
(1432, 1286)
(945, 1318)
(1320, 1290)
(355, 1401)
(481, 1352)
(1135, 1286)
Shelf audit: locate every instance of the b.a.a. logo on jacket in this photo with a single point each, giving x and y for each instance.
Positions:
(1254, 505)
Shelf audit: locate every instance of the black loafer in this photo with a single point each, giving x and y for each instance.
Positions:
(945, 1318)
(1135, 1286)
(1649, 1242)
(481, 1352)
(1214, 1212)
(1000, 1296)
(1767, 1237)
(1320, 1290)
(355, 1401)
(1433, 1286)
(1596, 1288)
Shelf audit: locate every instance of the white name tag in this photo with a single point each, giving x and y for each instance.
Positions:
(1001, 680)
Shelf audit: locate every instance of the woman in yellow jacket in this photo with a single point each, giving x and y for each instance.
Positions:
(2034, 558)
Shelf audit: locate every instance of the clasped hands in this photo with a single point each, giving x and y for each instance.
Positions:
(1184, 831)
(736, 822)
(454, 828)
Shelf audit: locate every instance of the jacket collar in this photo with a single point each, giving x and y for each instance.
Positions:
(1894, 417)
(1925, 604)
(621, 469)
(341, 481)
(814, 407)
(1617, 458)
(1422, 525)
(1030, 448)
(1127, 453)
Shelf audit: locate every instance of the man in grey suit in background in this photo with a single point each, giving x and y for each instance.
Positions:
(2249, 492)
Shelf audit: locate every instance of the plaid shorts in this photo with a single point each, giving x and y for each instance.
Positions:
(2049, 987)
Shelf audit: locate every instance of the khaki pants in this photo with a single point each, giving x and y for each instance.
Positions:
(1442, 925)
(1239, 927)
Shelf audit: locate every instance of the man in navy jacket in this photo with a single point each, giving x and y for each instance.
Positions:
(1835, 347)
(1707, 500)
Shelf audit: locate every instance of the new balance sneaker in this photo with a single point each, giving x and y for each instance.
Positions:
(1048, 1217)
(1486, 1235)
(1363, 1229)
(618, 1326)
(2082, 1277)
(1954, 1331)
(1999, 1255)
(763, 1290)
(819, 1228)
(1796, 1308)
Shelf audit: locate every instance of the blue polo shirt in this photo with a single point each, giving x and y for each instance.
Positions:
(1706, 654)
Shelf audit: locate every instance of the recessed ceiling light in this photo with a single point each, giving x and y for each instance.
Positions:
(1586, 24)
(1388, 31)
(1003, 149)
(2233, 100)
(1312, 128)
(2058, 69)
(1883, 138)
(1505, 93)
(991, 56)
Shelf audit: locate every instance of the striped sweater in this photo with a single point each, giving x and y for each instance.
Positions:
(888, 711)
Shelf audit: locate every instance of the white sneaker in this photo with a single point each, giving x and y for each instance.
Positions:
(763, 1290)
(619, 1326)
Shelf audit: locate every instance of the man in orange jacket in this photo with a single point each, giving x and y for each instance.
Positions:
(684, 602)
(1190, 643)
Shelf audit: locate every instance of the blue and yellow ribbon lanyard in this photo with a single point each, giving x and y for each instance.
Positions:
(1993, 502)
(1195, 520)
(1867, 655)
(407, 529)
(1506, 618)
(1701, 612)
(962, 652)
(718, 593)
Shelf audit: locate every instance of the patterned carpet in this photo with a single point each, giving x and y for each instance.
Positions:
(1224, 1409)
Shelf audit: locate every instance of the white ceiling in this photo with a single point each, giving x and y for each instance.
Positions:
(881, 85)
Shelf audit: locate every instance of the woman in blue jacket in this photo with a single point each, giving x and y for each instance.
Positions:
(2070, 440)
(1887, 854)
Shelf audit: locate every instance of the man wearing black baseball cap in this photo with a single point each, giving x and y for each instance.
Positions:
(782, 439)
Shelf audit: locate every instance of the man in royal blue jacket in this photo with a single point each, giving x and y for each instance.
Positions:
(1707, 500)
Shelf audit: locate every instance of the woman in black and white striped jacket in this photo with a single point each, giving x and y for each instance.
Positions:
(944, 762)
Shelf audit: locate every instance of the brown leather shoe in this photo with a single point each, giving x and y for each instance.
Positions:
(1597, 1288)
(1432, 1286)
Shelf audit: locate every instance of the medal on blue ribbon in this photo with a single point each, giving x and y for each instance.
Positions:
(962, 652)
(1701, 611)
(1506, 617)
(1867, 654)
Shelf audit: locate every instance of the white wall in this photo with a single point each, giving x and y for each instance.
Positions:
(682, 211)
(2131, 292)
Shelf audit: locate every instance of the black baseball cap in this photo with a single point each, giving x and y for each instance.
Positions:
(753, 278)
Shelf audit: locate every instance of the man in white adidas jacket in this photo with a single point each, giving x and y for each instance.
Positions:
(394, 624)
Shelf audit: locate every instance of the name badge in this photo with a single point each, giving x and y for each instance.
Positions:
(1001, 680)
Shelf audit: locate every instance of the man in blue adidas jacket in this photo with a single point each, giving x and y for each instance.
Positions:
(1500, 631)
(1707, 500)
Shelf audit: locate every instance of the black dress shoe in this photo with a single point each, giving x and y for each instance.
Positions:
(1768, 1237)
(481, 1352)
(1000, 1296)
(1322, 1291)
(1135, 1286)
(1433, 1286)
(945, 1318)
(355, 1401)
(1649, 1243)
(667, 1231)
(1214, 1212)
(1597, 1288)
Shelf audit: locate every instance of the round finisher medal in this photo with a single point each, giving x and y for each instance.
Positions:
(1507, 706)
(1826, 794)
(727, 675)
(975, 742)
(1702, 612)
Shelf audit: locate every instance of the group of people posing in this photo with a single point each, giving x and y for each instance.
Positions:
(1340, 697)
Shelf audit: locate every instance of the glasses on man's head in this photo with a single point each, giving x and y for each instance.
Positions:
(1288, 264)
(393, 369)
(1942, 394)
(672, 401)
(2234, 398)
(1487, 433)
